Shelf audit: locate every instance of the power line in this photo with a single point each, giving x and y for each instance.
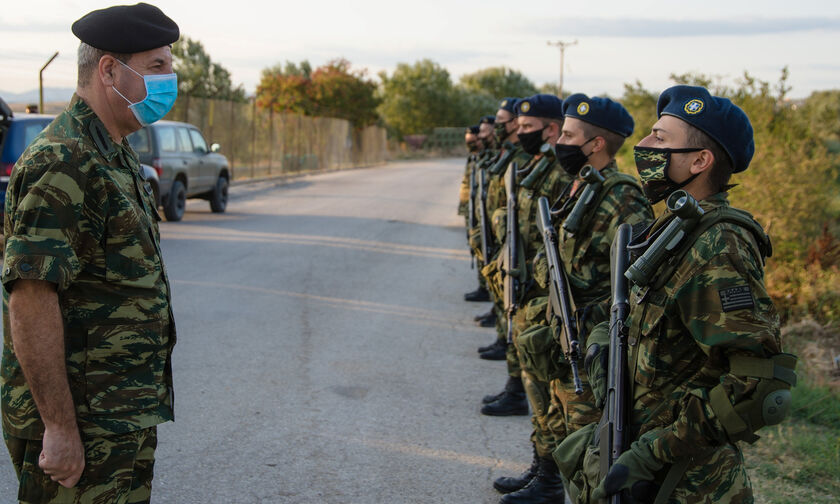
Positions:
(562, 46)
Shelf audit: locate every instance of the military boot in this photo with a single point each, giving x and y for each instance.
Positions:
(498, 352)
(482, 316)
(512, 384)
(488, 322)
(508, 484)
(477, 295)
(491, 346)
(546, 487)
(512, 402)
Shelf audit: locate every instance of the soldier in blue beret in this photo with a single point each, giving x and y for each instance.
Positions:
(705, 361)
(540, 122)
(88, 324)
(592, 132)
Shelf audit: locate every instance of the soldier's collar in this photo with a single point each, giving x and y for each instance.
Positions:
(93, 125)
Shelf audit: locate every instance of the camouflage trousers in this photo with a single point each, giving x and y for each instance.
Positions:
(557, 410)
(719, 476)
(118, 470)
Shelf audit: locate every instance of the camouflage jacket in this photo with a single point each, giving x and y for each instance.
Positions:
(497, 194)
(682, 336)
(586, 255)
(80, 215)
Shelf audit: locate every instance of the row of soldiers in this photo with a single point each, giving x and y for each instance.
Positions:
(646, 348)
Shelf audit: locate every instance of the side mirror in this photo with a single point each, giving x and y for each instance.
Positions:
(215, 147)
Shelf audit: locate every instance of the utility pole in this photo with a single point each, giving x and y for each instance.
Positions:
(41, 83)
(562, 46)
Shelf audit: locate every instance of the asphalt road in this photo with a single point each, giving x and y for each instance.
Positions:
(325, 351)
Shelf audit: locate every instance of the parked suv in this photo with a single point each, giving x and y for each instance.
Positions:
(187, 168)
(16, 133)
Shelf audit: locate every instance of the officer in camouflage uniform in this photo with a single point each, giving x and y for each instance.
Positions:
(88, 326)
(594, 130)
(506, 135)
(704, 356)
(489, 154)
(473, 153)
(540, 120)
(510, 151)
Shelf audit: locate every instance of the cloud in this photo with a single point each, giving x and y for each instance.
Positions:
(666, 28)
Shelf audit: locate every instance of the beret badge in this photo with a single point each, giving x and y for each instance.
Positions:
(583, 108)
(525, 107)
(694, 107)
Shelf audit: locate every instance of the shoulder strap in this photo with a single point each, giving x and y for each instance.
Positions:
(760, 244)
(614, 179)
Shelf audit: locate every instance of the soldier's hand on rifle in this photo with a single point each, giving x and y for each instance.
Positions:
(596, 362)
(633, 472)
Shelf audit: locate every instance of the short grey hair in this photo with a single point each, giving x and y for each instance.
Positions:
(88, 59)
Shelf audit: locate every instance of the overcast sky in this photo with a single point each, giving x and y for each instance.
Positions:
(619, 41)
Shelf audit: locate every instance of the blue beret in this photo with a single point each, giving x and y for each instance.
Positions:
(601, 112)
(717, 117)
(126, 29)
(488, 119)
(540, 105)
(508, 104)
(473, 130)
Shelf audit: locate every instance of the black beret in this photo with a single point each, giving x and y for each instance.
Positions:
(717, 117)
(488, 120)
(601, 112)
(508, 104)
(540, 105)
(472, 130)
(126, 29)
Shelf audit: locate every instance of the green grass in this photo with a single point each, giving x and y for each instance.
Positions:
(798, 461)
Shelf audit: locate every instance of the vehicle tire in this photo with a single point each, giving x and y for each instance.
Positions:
(219, 195)
(176, 202)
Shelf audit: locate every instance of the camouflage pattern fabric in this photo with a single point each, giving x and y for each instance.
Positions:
(80, 215)
(567, 411)
(118, 470)
(586, 255)
(681, 338)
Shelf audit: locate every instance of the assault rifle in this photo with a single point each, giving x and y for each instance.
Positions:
(511, 258)
(471, 223)
(615, 407)
(559, 297)
(594, 180)
(482, 215)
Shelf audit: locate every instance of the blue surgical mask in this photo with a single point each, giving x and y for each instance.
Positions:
(161, 92)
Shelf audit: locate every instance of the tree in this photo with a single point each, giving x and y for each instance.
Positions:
(336, 91)
(418, 97)
(499, 82)
(286, 88)
(199, 76)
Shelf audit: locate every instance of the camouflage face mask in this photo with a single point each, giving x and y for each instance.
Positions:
(501, 132)
(652, 165)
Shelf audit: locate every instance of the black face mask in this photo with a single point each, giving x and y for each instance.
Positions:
(571, 157)
(488, 142)
(501, 131)
(531, 142)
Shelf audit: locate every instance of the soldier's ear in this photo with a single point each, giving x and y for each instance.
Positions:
(106, 70)
(702, 161)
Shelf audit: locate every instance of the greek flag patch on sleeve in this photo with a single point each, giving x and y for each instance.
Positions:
(736, 298)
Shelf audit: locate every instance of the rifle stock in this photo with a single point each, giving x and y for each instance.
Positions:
(559, 296)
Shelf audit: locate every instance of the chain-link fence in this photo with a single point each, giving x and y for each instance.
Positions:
(260, 143)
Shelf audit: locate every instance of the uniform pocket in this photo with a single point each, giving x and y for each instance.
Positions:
(130, 253)
(651, 334)
(124, 367)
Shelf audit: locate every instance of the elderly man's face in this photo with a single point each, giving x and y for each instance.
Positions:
(132, 86)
